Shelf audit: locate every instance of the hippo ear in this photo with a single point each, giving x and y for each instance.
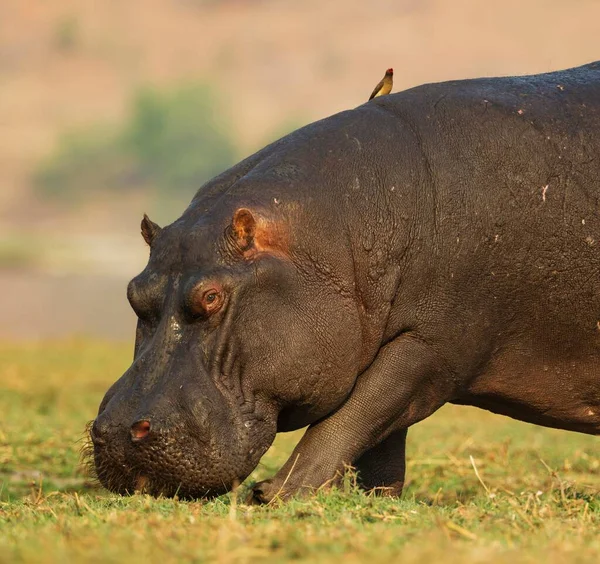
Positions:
(254, 233)
(244, 228)
(149, 230)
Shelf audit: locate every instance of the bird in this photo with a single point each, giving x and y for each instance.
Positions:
(385, 84)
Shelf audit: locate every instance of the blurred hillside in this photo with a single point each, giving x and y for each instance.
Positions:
(74, 65)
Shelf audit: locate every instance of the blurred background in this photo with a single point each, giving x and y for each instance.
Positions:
(112, 108)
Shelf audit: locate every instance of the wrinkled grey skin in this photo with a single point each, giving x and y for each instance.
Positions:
(436, 245)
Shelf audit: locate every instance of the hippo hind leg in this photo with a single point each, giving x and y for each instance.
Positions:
(381, 469)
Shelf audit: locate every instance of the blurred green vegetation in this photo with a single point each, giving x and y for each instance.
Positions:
(66, 36)
(19, 252)
(171, 142)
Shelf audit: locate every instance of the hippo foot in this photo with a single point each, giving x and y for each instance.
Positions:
(261, 493)
(269, 491)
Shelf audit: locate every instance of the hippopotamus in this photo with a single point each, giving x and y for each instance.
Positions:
(438, 245)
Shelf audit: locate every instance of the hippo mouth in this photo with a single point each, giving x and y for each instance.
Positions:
(167, 464)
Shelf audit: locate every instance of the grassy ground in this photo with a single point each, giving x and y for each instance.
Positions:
(536, 499)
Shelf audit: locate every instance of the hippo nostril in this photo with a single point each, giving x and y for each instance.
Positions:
(140, 430)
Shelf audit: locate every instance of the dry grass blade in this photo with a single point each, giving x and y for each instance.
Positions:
(461, 530)
(487, 490)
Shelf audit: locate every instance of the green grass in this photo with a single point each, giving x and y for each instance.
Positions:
(540, 502)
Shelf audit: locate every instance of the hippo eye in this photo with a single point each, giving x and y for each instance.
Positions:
(210, 301)
(205, 300)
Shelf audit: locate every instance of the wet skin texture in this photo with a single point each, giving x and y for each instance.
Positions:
(436, 245)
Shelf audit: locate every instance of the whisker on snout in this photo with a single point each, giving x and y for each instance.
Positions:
(101, 474)
(86, 455)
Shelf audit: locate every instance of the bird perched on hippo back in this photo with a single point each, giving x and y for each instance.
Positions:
(385, 85)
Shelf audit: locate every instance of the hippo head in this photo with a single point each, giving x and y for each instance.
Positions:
(238, 337)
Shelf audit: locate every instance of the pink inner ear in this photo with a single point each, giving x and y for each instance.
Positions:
(244, 227)
(244, 221)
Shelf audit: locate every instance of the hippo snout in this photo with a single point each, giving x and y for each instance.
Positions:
(171, 443)
(158, 459)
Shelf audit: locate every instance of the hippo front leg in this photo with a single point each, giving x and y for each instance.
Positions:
(406, 383)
